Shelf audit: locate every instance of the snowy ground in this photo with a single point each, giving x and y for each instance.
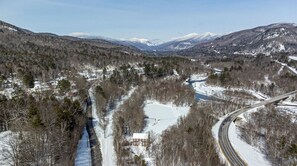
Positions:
(93, 73)
(4, 141)
(280, 70)
(291, 110)
(293, 58)
(105, 137)
(8, 92)
(253, 156)
(202, 88)
(13, 83)
(215, 134)
(160, 117)
(83, 153)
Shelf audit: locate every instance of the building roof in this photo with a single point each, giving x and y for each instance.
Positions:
(140, 136)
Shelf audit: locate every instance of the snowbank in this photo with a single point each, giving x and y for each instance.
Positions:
(253, 156)
(215, 134)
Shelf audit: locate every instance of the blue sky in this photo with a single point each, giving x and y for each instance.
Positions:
(152, 19)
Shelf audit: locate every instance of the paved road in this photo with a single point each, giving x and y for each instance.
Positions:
(224, 142)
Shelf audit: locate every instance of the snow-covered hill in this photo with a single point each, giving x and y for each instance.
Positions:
(268, 40)
(187, 41)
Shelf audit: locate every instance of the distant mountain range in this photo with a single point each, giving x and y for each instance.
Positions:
(179, 43)
(272, 39)
(268, 40)
(15, 40)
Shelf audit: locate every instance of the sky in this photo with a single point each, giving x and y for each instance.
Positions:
(150, 19)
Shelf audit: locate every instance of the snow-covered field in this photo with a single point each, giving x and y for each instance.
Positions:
(106, 136)
(161, 116)
(83, 153)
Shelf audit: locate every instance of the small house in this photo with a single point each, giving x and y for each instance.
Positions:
(140, 139)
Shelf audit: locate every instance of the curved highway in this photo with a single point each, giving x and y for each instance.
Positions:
(230, 154)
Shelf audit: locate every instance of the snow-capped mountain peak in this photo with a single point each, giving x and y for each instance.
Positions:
(80, 35)
(177, 43)
(194, 36)
(271, 39)
(142, 41)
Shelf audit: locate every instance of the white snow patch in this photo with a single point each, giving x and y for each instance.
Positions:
(9, 28)
(216, 51)
(267, 81)
(293, 58)
(280, 70)
(281, 47)
(8, 92)
(289, 67)
(258, 94)
(202, 88)
(5, 138)
(290, 109)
